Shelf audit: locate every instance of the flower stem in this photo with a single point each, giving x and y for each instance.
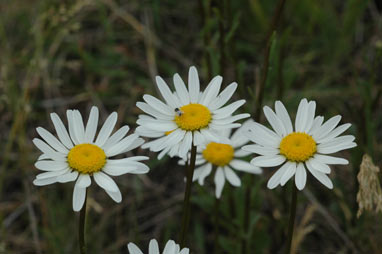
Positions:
(292, 217)
(81, 228)
(216, 228)
(187, 195)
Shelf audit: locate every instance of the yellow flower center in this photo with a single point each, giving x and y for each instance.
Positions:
(193, 117)
(218, 154)
(86, 158)
(298, 146)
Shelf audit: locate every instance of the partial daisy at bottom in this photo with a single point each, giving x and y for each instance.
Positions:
(307, 146)
(187, 116)
(224, 159)
(78, 155)
(170, 248)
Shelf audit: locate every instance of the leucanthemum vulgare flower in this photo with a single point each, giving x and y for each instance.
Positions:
(305, 147)
(224, 158)
(187, 116)
(170, 248)
(77, 155)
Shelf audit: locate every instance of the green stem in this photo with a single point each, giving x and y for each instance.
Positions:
(81, 228)
(292, 217)
(216, 228)
(187, 195)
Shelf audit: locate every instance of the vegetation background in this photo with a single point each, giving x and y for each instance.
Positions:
(56, 55)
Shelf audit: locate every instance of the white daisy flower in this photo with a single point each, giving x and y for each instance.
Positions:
(304, 148)
(170, 248)
(225, 158)
(77, 156)
(187, 116)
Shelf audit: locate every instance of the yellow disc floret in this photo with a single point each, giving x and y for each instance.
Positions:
(218, 154)
(86, 158)
(193, 117)
(298, 147)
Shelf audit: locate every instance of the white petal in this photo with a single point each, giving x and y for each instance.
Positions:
(223, 126)
(79, 195)
(211, 91)
(274, 181)
(330, 159)
(232, 178)
(170, 246)
(121, 145)
(167, 95)
(83, 181)
(185, 145)
(45, 181)
(289, 172)
(106, 129)
(274, 121)
(317, 165)
(133, 249)
(158, 125)
(324, 179)
(245, 166)
(337, 141)
(152, 111)
(228, 110)
(91, 126)
(219, 182)
(51, 165)
(283, 115)
(310, 116)
(158, 105)
(193, 84)
(268, 160)
(302, 114)
(209, 136)
(317, 122)
(52, 173)
(43, 157)
(334, 133)
(52, 140)
(181, 90)
(337, 148)
(137, 143)
(153, 247)
(327, 127)
(231, 119)
(198, 138)
(105, 182)
(223, 97)
(78, 125)
(116, 137)
(173, 138)
(61, 131)
(262, 150)
(184, 251)
(115, 195)
(204, 173)
(72, 132)
(261, 135)
(44, 148)
(300, 176)
(68, 177)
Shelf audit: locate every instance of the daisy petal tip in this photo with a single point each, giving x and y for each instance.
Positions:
(300, 187)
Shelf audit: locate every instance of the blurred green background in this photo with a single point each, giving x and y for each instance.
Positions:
(56, 55)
